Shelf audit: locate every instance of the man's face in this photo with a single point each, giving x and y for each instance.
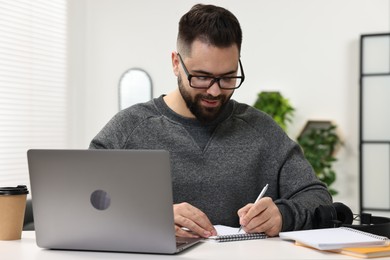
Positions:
(206, 60)
(203, 106)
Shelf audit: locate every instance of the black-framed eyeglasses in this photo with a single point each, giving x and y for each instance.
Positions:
(205, 82)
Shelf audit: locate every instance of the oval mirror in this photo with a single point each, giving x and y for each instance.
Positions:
(135, 86)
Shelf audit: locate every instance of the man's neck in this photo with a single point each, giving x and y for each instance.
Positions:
(175, 101)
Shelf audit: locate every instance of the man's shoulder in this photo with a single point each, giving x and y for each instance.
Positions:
(261, 126)
(250, 114)
(255, 119)
(131, 117)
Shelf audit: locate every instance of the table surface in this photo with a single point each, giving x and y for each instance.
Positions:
(270, 248)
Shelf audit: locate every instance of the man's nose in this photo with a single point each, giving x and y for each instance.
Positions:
(214, 90)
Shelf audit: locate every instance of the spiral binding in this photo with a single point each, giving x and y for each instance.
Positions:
(238, 237)
(365, 233)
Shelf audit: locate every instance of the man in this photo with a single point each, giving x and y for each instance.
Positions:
(222, 152)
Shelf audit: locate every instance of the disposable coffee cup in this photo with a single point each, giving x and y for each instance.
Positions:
(12, 207)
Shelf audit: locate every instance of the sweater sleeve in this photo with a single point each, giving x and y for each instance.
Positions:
(294, 186)
(300, 192)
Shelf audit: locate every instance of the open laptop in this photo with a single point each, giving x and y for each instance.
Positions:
(104, 200)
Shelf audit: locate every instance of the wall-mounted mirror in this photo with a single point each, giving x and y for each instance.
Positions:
(135, 86)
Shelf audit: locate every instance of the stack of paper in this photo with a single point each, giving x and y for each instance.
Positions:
(334, 238)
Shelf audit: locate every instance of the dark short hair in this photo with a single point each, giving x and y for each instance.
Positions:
(210, 24)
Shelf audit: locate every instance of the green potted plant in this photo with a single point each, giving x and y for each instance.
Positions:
(275, 105)
(319, 141)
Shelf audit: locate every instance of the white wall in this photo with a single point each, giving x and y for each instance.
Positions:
(307, 49)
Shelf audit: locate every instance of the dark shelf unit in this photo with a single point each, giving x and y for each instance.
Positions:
(374, 123)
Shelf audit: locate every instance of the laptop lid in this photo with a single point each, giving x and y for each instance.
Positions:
(104, 200)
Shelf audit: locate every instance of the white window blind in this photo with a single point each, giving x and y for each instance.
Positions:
(33, 94)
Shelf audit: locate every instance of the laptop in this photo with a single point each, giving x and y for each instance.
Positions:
(104, 200)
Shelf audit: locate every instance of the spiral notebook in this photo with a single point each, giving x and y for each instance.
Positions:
(228, 234)
(334, 238)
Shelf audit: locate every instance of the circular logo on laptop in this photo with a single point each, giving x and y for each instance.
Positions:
(100, 200)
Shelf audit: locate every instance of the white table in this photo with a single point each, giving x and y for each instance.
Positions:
(270, 248)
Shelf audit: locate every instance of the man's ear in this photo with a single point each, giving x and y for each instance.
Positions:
(175, 63)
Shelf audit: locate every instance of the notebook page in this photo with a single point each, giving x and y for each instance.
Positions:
(226, 230)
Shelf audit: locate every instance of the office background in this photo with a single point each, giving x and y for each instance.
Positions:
(306, 49)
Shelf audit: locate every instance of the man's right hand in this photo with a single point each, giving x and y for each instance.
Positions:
(191, 222)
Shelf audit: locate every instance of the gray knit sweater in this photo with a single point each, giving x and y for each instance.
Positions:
(219, 168)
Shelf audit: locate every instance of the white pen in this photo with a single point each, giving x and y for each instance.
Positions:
(258, 198)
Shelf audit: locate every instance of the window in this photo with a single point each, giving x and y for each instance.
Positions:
(33, 94)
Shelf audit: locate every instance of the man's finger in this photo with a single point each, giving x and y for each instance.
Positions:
(194, 219)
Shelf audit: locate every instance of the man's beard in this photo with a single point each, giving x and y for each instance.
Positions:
(204, 114)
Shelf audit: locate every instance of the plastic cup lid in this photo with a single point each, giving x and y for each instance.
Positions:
(19, 190)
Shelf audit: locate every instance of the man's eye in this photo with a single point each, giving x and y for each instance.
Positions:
(200, 78)
(227, 80)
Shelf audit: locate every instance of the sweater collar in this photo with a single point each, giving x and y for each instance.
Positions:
(166, 111)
